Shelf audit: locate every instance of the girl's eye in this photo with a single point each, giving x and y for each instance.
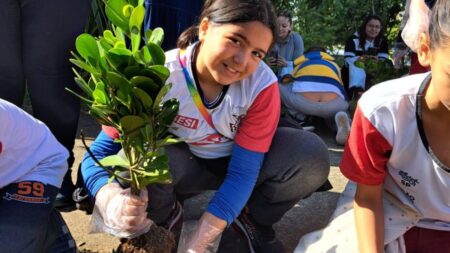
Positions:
(235, 41)
(258, 54)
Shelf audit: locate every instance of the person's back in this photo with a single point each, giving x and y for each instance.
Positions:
(32, 167)
(315, 89)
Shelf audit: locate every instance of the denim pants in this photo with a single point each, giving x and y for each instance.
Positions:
(296, 165)
(28, 221)
(36, 40)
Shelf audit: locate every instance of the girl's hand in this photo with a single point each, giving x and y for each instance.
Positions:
(123, 213)
(208, 230)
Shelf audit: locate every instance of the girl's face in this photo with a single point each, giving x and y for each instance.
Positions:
(284, 26)
(231, 52)
(373, 28)
(440, 70)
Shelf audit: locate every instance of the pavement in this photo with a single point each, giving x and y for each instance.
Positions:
(308, 215)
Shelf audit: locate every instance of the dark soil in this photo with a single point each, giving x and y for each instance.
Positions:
(157, 240)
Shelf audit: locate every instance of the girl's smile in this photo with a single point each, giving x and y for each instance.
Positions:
(230, 52)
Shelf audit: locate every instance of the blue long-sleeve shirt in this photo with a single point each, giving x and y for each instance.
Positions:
(227, 203)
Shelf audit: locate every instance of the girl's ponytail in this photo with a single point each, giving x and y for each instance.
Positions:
(188, 37)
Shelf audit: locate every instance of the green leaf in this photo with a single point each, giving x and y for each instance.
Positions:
(114, 11)
(131, 123)
(86, 100)
(87, 47)
(148, 85)
(168, 140)
(145, 99)
(160, 96)
(167, 112)
(100, 95)
(148, 34)
(85, 66)
(115, 160)
(127, 10)
(118, 56)
(144, 56)
(139, 80)
(161, 71)
(135, 24)
(109, 37)
(82, 83)
(116, 80)
(157, 36)
(157, 54)
(132, 71)
(119, 32)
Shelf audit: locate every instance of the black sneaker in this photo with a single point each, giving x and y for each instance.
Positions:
(307, 124)
(63, 203)
(175, 219)
(82, 200)
(260, 238)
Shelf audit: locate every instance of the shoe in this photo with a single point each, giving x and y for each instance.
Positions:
(175, 218)
(82, 200)
(343, 127)
(63, 203)
(307, 124)
(260, 238)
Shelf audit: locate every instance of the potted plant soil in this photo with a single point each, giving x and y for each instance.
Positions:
(123, 79)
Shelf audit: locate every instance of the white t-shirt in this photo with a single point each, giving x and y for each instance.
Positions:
(247, 114)
(387, 145)
(28, 150)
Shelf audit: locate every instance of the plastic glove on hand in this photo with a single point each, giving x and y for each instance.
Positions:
(122, 213)
(203, 238)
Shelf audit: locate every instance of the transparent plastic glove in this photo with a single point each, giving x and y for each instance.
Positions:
(419, 18)
(203, 238)
(120, 213)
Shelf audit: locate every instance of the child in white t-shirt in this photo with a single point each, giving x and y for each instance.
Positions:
(32, 167)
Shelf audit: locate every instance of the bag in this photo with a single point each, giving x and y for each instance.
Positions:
(356, 76)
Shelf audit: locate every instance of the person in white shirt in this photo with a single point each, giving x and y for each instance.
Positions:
(32, 167)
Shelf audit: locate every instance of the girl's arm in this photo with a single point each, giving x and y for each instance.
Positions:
(369, 217)
(298, 47)
(94, 176)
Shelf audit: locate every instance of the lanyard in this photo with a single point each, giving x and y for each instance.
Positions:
(193, 90)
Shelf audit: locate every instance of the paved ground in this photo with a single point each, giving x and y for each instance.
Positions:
(308, 215)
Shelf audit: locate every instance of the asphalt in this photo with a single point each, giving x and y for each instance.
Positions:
(307, 215)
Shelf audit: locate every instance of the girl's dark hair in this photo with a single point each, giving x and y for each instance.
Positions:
(362, 32)
(231, 12)
(439, 28)
(285, 14)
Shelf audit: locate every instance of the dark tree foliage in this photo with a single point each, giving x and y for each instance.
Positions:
(329, 23)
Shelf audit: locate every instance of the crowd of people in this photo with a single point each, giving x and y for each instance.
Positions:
(250, 71)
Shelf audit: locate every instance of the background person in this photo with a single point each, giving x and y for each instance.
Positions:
(397, 158)
(368, 41)
(316, 90)
(288, 46)
(32, 167)
(35, 48)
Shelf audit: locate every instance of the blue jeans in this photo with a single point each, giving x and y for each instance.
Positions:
(28, 221)
(37, 37)
(296, 165)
